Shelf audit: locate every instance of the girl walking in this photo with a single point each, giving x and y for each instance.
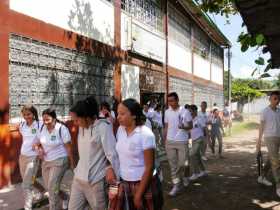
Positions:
(139, 189)
(98, 157)
(28, 159)
(55, 147)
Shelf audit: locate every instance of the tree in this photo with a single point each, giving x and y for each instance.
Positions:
(241, 92)
(277, 82)
(246, 39)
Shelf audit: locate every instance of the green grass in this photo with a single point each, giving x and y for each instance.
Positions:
(239, 127)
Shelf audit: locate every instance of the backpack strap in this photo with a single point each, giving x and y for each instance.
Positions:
(41, 128)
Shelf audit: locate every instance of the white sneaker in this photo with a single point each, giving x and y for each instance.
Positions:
(37, 196)
(65, 204)
(202, 174)
(264, 181)
(46, 194)
(186, 181)
(194, 177)
(175, 189)
(204, 158)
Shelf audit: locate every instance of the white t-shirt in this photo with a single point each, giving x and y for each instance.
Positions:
(173, 118)
(130, 150)
(29, 134)
(157, 118)
(197, 130)
(53, 143)
(271, 120)
(149, 116)
(205, 118)
(185, 118)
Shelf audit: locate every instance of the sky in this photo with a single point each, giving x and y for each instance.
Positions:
(242, 64)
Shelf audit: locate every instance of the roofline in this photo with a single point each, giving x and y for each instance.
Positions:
(193, 9)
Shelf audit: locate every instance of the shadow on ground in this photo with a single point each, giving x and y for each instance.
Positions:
(231, 184)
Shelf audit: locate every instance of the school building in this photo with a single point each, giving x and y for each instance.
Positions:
(54, 53)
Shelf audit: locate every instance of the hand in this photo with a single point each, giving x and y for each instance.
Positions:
(110, 176)
(137, 201)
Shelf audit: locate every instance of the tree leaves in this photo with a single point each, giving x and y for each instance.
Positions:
(254, 71)
(260, 39)
(260, 61)
(265, 75)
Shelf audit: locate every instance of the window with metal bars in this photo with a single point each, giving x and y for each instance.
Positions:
(148, 12)
(178, 27)
(201, 42)
(217, 54)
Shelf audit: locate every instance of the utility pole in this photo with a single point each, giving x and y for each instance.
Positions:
(229, 76)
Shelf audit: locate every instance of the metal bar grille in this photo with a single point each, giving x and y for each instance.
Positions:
(146, 11)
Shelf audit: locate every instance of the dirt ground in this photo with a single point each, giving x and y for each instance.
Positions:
(231, 184)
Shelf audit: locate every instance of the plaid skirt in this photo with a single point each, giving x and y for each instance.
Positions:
(152, 198)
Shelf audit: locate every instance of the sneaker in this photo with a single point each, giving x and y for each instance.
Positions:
(46, 194)
(204, 158)
(37, 196)
(202, 174)
(264, 181)
(175, 189)
(186, 182)
(65, 203)
(194, 177)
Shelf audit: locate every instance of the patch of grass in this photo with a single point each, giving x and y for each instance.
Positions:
(240, 127)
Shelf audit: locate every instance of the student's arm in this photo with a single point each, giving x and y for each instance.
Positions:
(146, 178)
(108, 141)
(68, 147)
(188, 124)
(221, 125)
(259, 140)
(165, 133)
(66, 138)
(165, 128)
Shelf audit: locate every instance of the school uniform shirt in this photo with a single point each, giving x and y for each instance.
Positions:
(29, 134)
(185, 118)
(149, 116)
(53, 142)
(271, 119)
(157, 118)
(205, 118)
(97, 149)
(197, 130)
(131, 149)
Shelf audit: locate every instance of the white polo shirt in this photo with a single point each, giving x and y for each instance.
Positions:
(130, 150)
(157, 118)
(271, 121)
(53, 143)
(184, 118)
(29, 134)
(205, 118)
(173, 118)
(197, 130)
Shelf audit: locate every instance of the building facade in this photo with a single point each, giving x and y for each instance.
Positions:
(54, 53)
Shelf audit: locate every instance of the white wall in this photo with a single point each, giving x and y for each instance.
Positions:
(217, 74)
(201, 67)
(179, 57)
(96, 16)
(125, 31)
(130, 82)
